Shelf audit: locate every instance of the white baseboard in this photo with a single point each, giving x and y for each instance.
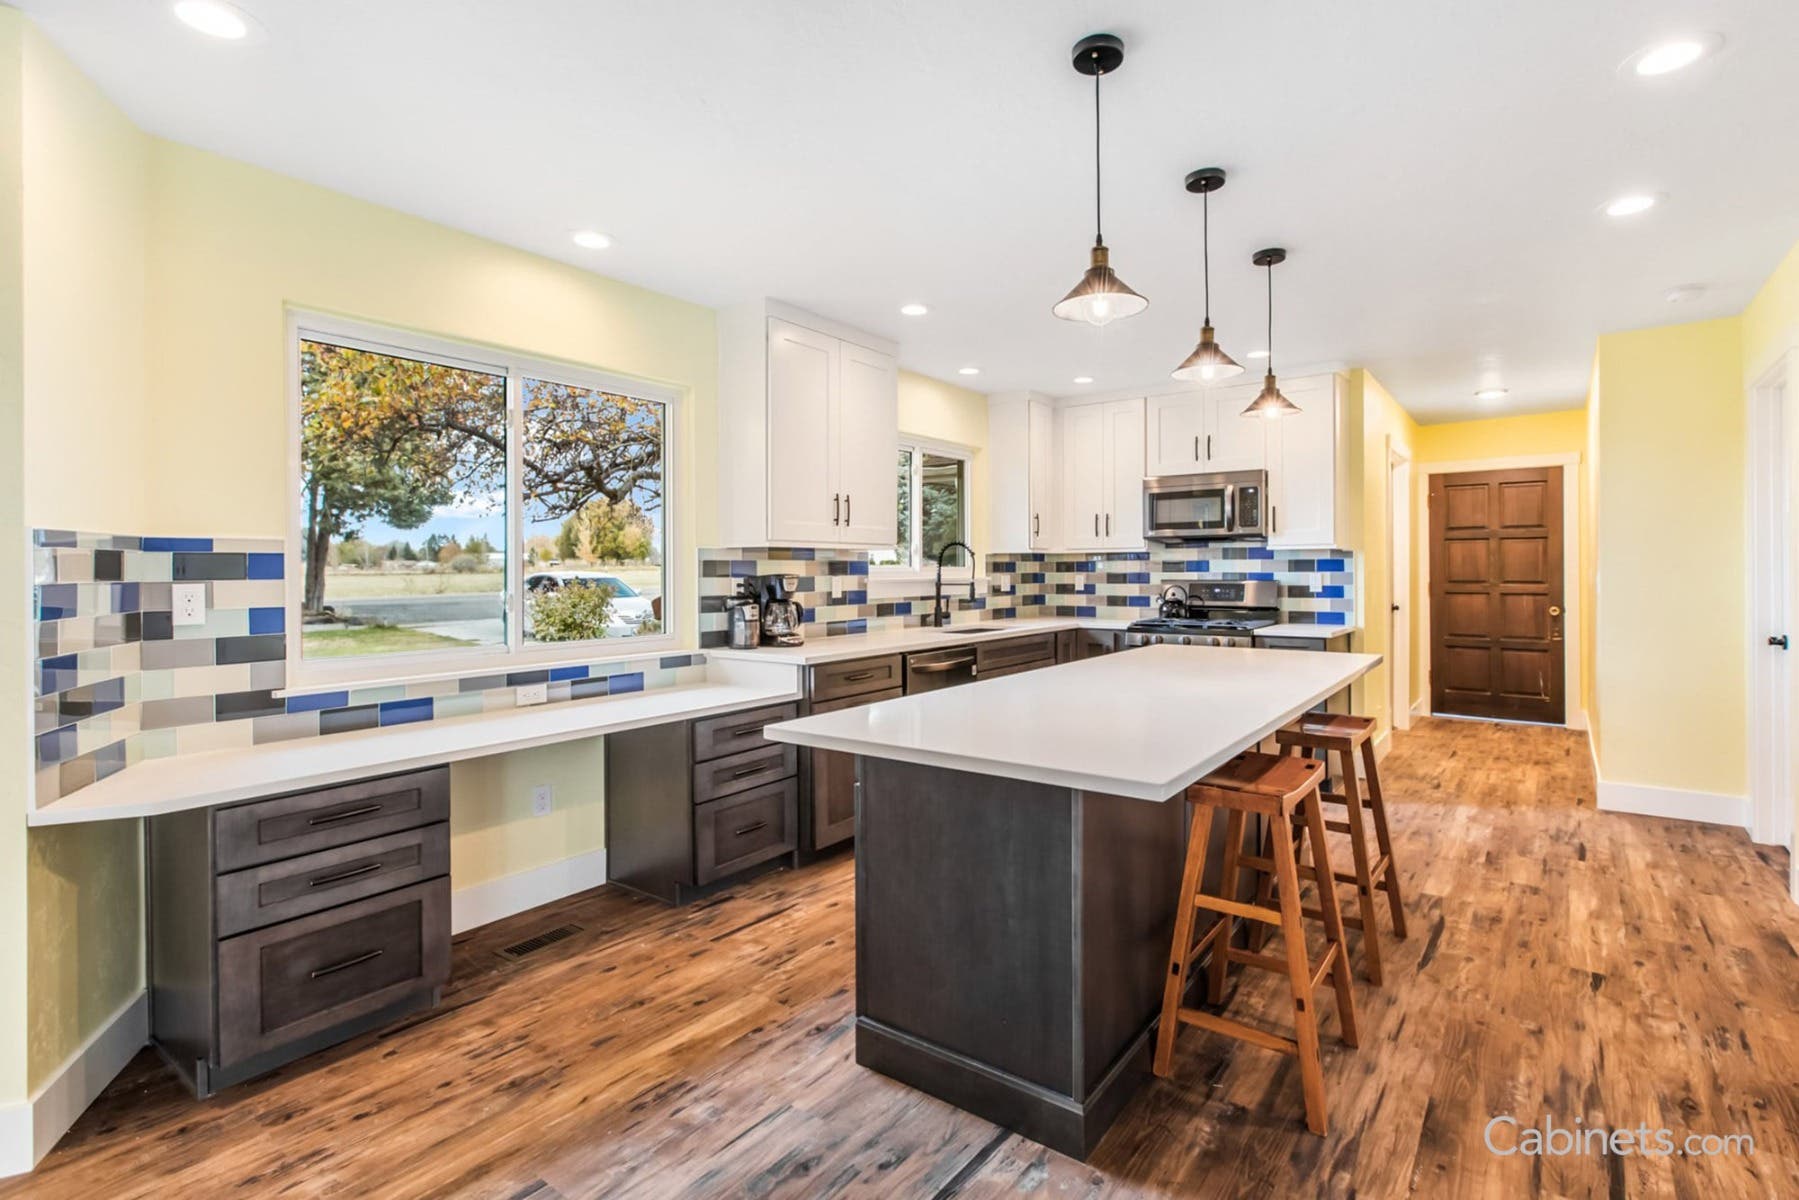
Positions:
(1420, 708)
(509, 894)
(30, 1129)
(1577, 719)
(1382, 744)
(1643, 800)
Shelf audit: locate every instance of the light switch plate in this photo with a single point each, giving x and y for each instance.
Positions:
(188, 602)
(533, 693)
(543, 799)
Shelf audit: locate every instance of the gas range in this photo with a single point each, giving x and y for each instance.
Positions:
(1219, 614)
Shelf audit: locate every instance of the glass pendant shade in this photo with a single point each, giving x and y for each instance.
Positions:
(1100, 297)
(1270, 403)
(1208, 363)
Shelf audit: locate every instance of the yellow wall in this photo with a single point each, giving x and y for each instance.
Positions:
(1590, 596)
(1522, 435)
(1671, 441)
(15, 751)
(930, 408)
(492, 831)
(1383, 425)
(85, 425)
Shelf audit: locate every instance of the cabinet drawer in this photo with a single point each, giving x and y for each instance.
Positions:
(288, 981)
(833, 795)
(1038, 650)
(739, 772)
(732, 733)
(742, 830)
(280, 891)
(288, 826)
(833, 681)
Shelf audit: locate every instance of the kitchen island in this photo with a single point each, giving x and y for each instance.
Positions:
(1018, 853)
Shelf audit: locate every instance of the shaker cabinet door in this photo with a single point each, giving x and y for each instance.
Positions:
(802, 387)
(867, 422)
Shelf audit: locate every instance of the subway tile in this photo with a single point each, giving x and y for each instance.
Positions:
(187, 710)
(249, 593)
(109, 564)
(285, 727)
(174, 544)
(376, 695)
(261, 648)
(318, 700)
(214, 735)
(158, 626)
(210, 681)
(562, 674)
(193, 566)
(584, 689)
(237, 706)
(526, 678)
(462, 705)
(481, 683)
(162, 655)
(53, 537)
(264, 566)
(405, 712)
(269, 675)
(347, 720)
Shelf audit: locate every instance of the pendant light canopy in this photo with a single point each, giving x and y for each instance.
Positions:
(1100, 297)
(1208, 363)
(1270, 403)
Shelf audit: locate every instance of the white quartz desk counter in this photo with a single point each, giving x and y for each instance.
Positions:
(185, 781)
(821, 649)
(1143, 724)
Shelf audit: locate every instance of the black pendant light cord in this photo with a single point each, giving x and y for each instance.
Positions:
(1205, 208)
(1271, 318)
(1099, 236)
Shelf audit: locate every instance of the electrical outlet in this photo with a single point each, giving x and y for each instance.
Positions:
(533, 693)
(188, 601)
(543, 799)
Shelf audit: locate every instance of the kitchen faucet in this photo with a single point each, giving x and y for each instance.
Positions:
(939, 611)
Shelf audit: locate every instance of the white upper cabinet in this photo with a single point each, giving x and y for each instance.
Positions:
(1307, 485)
(1193, 433)
(808, 431)
(1102, 476)
(1021, 480)
(867, 451)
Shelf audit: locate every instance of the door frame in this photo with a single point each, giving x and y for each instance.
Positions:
(1772, 431)
(1574, 716)
(1399, 585)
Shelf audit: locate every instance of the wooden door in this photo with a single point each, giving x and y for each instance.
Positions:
(867, 434)
(1496, 594)
(802, 445)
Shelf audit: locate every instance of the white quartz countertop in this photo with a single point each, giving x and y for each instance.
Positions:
(184, 781)
(1307, 630)
(1143, 724)
(900, 641)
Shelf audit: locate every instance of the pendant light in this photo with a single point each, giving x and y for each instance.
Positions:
(1270, 403)
(1100, 297)
(1207, 363)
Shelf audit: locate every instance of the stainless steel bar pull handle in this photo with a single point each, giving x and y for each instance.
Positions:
(346, 964)
(752, 827)
(347, 814)
(1196, 446)
(1208, 447)
(836, 508)
(340, 876)
(1778, 640)
(846, 508)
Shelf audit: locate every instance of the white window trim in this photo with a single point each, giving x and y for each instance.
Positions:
(882, 578)
(516, 654)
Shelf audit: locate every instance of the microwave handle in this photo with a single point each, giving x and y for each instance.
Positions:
(1230, 508)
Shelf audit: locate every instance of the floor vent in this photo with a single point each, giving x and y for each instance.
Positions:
(532, 945)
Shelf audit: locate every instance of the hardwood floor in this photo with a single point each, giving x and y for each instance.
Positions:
(1619, 971)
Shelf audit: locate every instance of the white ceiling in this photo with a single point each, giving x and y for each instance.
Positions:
(1435, 169)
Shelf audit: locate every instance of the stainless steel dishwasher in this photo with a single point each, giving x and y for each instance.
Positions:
(928, 670)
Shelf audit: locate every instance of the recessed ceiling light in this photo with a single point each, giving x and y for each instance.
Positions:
(1683, 293)
(1256, 354)
(913, 310)
(1664, 58)
(214, 18)
(1631, 205)
(1490, 394)
(590, 239)
(969, 371)
(1083, 379)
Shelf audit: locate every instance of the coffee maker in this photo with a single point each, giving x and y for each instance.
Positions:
(783, 619)
(745, 614)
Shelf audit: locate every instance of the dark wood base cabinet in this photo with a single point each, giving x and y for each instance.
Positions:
(278, 927)
(692, 804)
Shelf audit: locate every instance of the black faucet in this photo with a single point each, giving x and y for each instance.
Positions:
(939, 611)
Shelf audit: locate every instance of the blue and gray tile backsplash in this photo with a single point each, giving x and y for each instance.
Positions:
(1316, 585)
(117, 682)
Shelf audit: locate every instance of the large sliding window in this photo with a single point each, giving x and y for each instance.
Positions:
(460, 508)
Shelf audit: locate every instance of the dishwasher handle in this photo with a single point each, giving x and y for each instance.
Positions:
(935, 667)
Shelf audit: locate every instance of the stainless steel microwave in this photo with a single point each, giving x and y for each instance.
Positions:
(1182, 508)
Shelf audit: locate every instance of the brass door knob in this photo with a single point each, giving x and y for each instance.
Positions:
(1555, 610)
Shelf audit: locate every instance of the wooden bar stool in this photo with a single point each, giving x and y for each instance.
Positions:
(1342, 735)
(1280, 789)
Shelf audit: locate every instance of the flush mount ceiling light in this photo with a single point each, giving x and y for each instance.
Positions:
(589, 239)
(1665, 58)
(1256, 354)
(214, 18)
(1632, 204)
(1083, 379)
(1100, 297)
(1208, 363)
(913, 310)
(1491, 394)
(1270, 403)
(1683, 293)
(968, 371)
